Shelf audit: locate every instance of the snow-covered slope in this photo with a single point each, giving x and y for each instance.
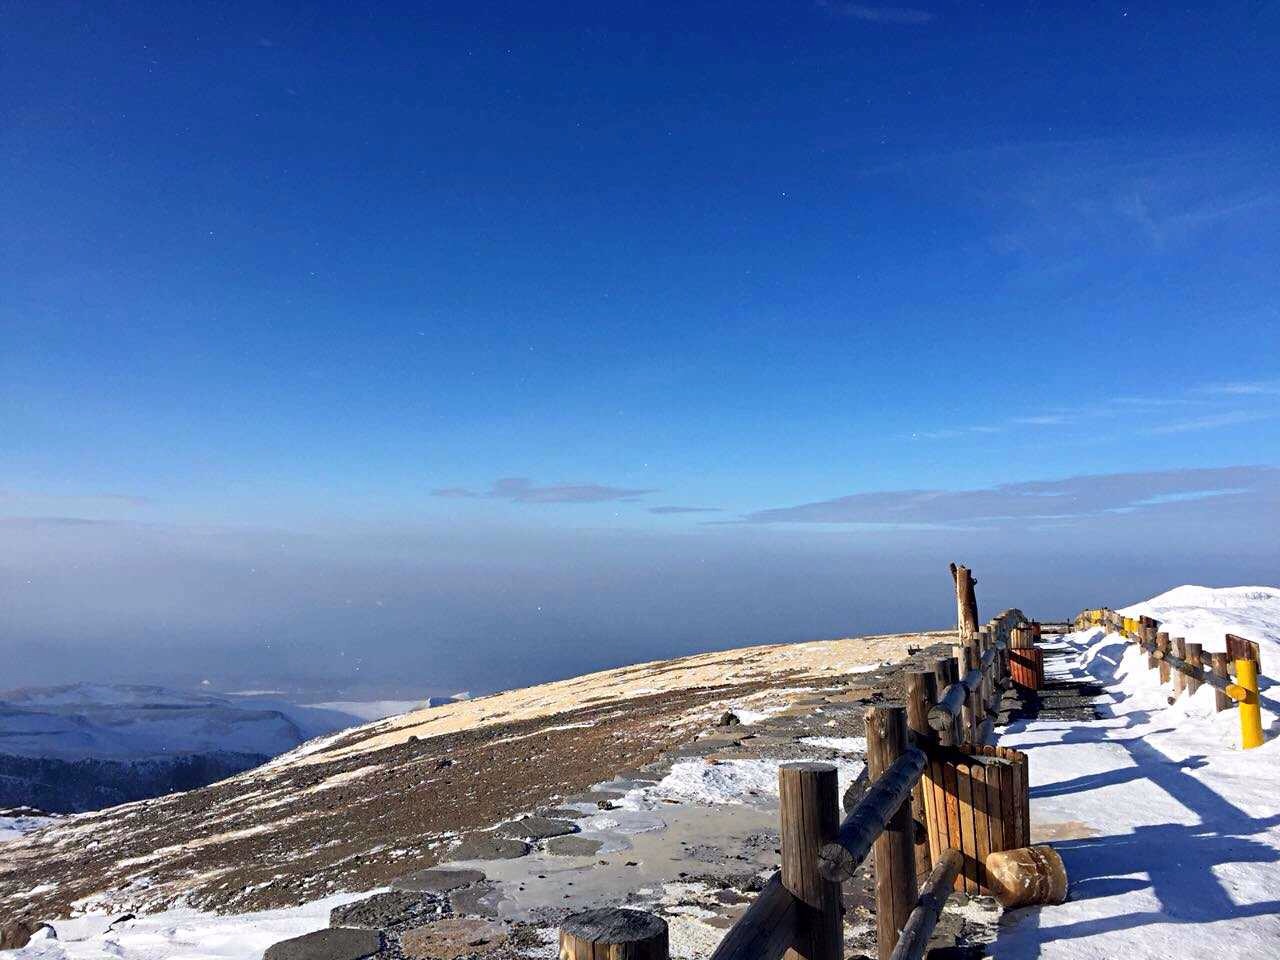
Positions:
(1170, 832)
(1206, 614)
(87, 745)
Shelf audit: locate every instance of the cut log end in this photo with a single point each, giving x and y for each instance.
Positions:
(1027, 876)
(633, 934)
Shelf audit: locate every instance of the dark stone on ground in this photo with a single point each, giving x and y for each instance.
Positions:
(728, 719)
(436, 880)
(596, 796)
(331, 944)
(573, 846)
(393, 911)
(489, 847)
(536, 828)
(482, 900)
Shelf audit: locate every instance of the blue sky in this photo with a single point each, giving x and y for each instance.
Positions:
(488, 279)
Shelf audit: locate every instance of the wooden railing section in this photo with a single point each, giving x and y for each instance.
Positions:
(940, 798)
(1233, 673)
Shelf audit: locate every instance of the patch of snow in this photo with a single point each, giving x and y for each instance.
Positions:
(182, 933)
(13, 827)
(730, 781)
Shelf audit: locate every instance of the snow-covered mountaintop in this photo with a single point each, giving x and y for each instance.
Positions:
(1206, 614)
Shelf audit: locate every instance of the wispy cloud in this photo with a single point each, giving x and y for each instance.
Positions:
(523, 490)
(897, 16)
(1073, 497)
(1244, 388)
(671, 509)
(1213, 421)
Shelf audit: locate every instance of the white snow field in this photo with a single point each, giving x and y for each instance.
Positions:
(1169, 831)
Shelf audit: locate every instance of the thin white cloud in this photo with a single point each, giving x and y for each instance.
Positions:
(895, 16)
(1212, 422)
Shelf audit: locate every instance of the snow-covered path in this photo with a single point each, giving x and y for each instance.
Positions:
(1169, 832)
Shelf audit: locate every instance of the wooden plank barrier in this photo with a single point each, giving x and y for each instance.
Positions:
(980, 805)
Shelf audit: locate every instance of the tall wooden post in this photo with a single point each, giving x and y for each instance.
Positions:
(1148, 636)
(1178, 646)
(895, 860)
(811, 819)
(1219, 665)
(1195, 657)
(922, 693)
(616, 934)
(1162, 645)
(966, 601)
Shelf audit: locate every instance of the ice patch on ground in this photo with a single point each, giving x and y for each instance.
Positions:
(729, 781)
(842, 744)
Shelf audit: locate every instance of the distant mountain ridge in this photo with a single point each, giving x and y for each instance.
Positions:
(84, 746)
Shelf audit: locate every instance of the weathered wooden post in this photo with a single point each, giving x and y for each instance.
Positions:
(947, 670)
(966, 602)
(922, 693)
(613, 934)
(810, 818)
(968, 719)
(1218, 663)
(895, 860)
(1195, 657)
(1162, 646)
(1178, 646)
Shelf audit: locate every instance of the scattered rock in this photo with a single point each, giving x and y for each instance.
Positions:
(117, 921)
(489, 847)
(573, 846)
(454, 938)
(480, 900)
(536, 828)
(436, 880)
(397, 910)
(331, 944)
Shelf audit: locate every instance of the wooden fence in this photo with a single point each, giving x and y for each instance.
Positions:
(1233, 673)
(939, 798)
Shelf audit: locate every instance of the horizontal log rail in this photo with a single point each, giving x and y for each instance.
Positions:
(841, 859)
(1232, 690)
(933, 897)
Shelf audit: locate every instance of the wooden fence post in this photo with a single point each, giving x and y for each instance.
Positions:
(1219, 664)
(810, 819)
(1195, 657)
(1179, 647)
(895, 861)
(922, 693)
(616, 934)
(944, 669)
(1162, 644)
(966, 602)
(968, 721)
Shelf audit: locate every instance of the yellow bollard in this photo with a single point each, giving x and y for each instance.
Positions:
(1250, 711)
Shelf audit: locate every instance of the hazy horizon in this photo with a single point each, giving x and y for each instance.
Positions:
(454, 346)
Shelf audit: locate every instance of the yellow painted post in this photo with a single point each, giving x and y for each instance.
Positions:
(1250, 711)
